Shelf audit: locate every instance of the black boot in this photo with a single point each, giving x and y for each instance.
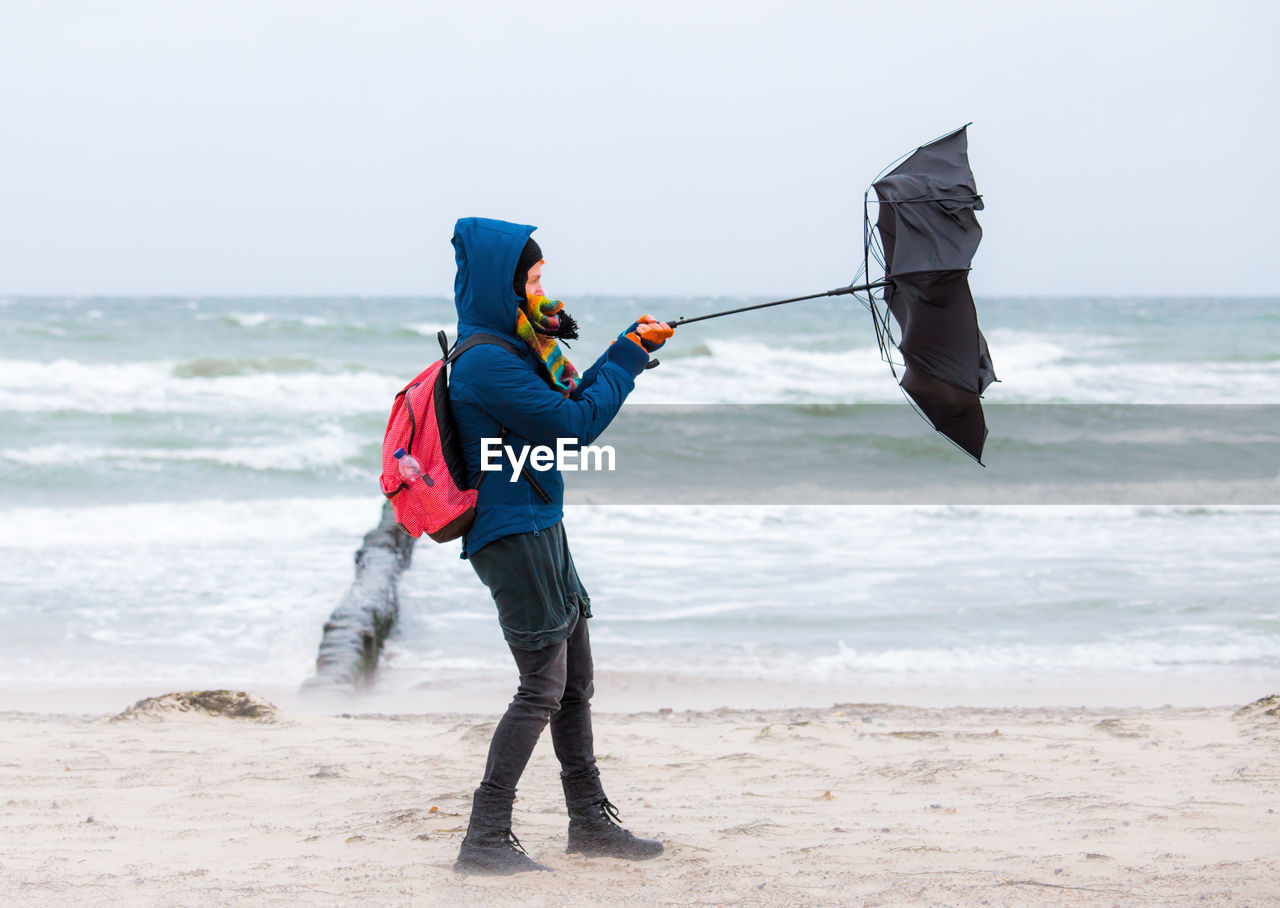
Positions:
(490, 847)
(594, 829)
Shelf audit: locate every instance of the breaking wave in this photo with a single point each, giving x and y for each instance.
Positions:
(165, 386)
(324, 448)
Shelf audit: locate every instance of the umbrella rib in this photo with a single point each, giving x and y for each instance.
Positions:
(930, 198)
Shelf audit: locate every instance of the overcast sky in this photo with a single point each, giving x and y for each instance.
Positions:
(678, 148)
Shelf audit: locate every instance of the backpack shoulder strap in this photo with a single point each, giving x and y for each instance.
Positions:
(476, 340)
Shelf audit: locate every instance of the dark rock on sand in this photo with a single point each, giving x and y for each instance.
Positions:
(231, 704)
(1263, 706)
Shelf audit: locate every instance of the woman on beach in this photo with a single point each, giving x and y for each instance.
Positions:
(529, 392)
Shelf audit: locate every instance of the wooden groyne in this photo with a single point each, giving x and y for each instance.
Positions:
(354, 633)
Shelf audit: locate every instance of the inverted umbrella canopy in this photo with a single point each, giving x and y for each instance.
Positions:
(929, 235)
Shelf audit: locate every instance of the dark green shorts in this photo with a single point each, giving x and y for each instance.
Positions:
(535, 586)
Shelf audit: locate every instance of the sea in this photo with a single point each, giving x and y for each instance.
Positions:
(184, 482)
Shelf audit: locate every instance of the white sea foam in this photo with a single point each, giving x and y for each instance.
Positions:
(281, 522)
(252, 320)
(1143, 383)
(1032, 368)
(249, 319)
(174, 592)
(1133, 661)
(1197, 647)
(990, 665)
(65, 385)
(239, 590)
(326, 446)
(744, 372)
(431, 329)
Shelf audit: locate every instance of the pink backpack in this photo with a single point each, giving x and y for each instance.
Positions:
(440, 504)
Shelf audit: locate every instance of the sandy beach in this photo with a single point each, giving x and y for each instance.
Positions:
(866, 804)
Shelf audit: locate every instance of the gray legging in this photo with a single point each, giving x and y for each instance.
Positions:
(556, 687)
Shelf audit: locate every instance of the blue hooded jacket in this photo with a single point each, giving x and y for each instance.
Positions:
(490, 388)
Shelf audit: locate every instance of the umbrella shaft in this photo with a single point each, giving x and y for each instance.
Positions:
(795, 299)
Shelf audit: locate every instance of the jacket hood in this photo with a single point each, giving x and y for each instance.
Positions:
(487, 252)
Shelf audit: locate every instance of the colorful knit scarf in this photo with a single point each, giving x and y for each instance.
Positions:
(538, 323)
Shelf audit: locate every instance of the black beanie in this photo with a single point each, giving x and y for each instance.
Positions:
(531, 255)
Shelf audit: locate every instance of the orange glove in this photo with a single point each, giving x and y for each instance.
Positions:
(650, 333)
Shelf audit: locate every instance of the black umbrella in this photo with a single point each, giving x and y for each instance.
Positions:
(927, 235)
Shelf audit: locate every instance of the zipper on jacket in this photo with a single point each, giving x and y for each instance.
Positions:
(533, 516)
